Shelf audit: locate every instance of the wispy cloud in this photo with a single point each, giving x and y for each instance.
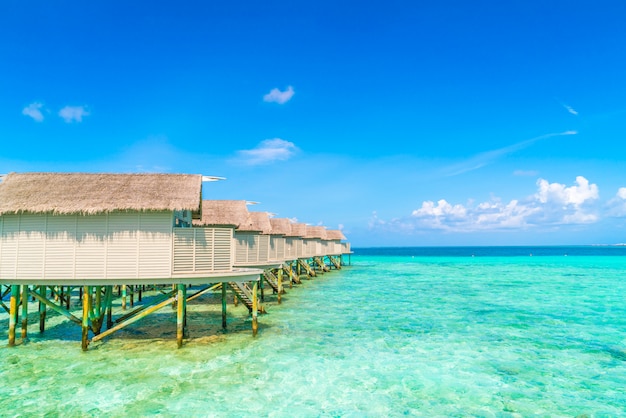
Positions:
(553, 204)
(488, 157)
(525, 173)
(268, 151)
(570, 110)
(33, 110)
(73, 113)
(280, 97)
(567, 107)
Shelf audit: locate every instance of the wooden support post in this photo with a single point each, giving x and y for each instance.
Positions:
(255, 308)
(97, 311)
(68, 294)
(123, 297)
(279, 273)
(13, 308)
(85, 322)
(132, 296)
(262, 279)
(42, 309)
(180, 314)
(24, 312)
(224, 284)
(109, 307)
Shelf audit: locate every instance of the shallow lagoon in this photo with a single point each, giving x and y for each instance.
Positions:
(397, 333)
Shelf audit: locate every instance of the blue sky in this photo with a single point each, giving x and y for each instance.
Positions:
(401, 123)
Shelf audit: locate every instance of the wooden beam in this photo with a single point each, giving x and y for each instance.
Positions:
(85, 321)
(13, 308)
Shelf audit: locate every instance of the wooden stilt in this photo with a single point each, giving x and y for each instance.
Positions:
(255, 308)
(85, 322)
(68, 293)
(180, 314)
(24, 298)
(262, 288)
(280, 284)
(185, 328)
(97, 310)
(13, 308)
(109, 308)
(42, 309)
(224, 284)
(124, 297)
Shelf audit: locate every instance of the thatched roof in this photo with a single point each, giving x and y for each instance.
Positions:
(90, 193)
(297, 230)
(280, 226)
(260, 221)
(315, 232)
(224, 212)
(335, 235)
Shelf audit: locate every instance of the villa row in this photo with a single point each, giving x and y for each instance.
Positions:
(100, 233)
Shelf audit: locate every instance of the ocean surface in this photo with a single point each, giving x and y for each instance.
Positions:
(431, 332)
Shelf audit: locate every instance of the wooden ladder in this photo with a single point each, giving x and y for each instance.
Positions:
(306, 267)
(320, 263)
(244, 294)
(335, 262)
(292, 274)
(272, 280)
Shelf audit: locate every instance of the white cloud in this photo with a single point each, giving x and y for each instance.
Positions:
(73, 113)
(33, 110)
(268, 151)
(617, 205)
(552, 204)
(280, 97)
(562, 195)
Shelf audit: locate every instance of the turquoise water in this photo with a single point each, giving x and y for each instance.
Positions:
(399, 332)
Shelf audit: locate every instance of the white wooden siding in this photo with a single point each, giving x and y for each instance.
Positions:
(202, 250)
(299, 247)
(223, 250)
(251, 248)
(277, 247)
(114, 245)
(263, 248)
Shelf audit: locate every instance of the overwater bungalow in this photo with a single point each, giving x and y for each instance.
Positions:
(281, 227)
(241, 232)
(335, 248)
(314, 247)
(97, 231)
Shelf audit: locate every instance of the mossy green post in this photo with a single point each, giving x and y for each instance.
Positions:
(124, 297)
(42, 309)
(180, 314)
(85, 321)
(24, 297)
(224, 284)
(13, 307)
(255, 308)
(280, 284)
